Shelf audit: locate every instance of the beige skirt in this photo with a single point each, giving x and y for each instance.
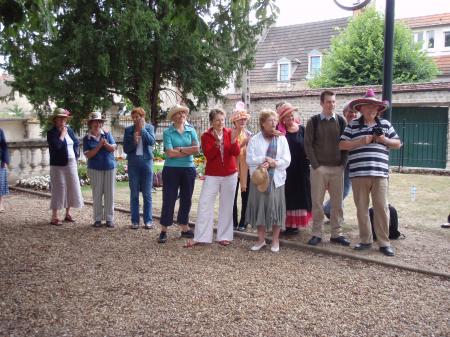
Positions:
(65, 186)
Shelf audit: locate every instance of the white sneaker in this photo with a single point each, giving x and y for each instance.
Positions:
(149, 225)
(258, 246)
(134, 226)
(275, 249)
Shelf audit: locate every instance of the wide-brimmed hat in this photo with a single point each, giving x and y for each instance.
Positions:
(239, 112)
(260, 178)
(285, 109)
(369, 98)
(176, 108)
(60, 112)
(95, 116)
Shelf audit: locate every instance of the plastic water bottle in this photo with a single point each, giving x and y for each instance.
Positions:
(413, 193)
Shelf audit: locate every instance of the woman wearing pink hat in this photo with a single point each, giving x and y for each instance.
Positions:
(239, 120)
(298, 187)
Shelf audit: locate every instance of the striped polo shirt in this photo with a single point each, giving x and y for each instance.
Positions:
(371, 160)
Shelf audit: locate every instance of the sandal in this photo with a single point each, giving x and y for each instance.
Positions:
(69, 218)
(191, 244)
(224, 243)
(55, 222)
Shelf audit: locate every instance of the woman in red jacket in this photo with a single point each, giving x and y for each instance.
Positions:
(220, 148)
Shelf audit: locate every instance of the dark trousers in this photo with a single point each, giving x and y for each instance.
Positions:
(244, 199)
(176, 179)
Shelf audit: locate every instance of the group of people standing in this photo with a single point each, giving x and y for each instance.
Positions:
(282, 172)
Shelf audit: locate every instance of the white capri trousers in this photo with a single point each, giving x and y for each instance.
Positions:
(103, 183)
(212, 185)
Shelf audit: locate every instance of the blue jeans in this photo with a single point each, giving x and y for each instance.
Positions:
(140, 177)
(347, 188)
(177, 179)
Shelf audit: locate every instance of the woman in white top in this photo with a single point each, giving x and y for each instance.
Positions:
(268, 157)
(64, 152)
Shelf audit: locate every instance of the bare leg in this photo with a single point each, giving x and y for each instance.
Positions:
(275, 235)
(68, 212)
(262, 234)
(2, 208)
(54, 214)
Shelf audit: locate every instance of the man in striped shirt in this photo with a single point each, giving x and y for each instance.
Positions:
(368, 140)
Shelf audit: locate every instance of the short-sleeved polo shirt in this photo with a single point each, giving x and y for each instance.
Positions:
(173, 139)
(370, 160)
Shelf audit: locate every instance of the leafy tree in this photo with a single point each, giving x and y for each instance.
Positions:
(77, 53)
(356, 55)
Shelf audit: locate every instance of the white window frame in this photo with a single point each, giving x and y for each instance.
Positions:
(443, 38)
(427, 39)
(311, 54)
(283, 61)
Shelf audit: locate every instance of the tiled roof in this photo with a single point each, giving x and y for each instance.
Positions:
(443, 63)
(396, 88)
(293, 42)
(427, 21)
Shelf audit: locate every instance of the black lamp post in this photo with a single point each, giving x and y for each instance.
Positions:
(388, 44)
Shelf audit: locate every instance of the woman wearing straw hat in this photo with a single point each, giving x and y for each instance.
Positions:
(4, 161)
(64, 152)
(99, 147)
(180, 144)
(220, 148)
(297, 186)
(239, 120)
(138, 141)
(268, 157)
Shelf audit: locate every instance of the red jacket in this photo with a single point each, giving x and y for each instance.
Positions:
(214, 164)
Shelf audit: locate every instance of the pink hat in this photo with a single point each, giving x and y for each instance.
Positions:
(285, 109)
(369, 98)
(239, 112)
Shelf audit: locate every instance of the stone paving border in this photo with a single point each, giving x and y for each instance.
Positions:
(289, 244)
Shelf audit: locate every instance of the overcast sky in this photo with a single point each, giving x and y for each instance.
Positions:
(300, 11)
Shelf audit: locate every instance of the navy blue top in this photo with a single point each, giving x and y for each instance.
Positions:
(103, 160)
(148, 140)
(58, 148)
(4, 154)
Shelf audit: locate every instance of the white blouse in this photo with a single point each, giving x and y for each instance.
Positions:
(256, 155)
(69, 142)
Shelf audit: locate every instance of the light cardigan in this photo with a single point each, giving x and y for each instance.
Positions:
(256, 155)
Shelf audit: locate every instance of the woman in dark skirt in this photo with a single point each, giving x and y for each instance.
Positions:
(298, 187)
(267, 157)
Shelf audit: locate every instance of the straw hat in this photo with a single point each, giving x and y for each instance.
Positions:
(60, 112)
(260, 178)
(239, 112)
(285, 109)
(95, 116)
(176, 108)
(369, 98)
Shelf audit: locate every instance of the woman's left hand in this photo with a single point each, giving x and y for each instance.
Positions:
(234, 134)
(271, 162)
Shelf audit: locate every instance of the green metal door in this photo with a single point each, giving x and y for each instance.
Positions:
(423, 131)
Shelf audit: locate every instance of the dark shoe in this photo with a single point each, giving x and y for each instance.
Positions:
(327, 215)
(341, 240)
(242, 228)
(68, 218)
(110, 224)
(314, 241)
(291, 231)
(362, 246)
(388, 251)
(162, 237)
(187, 234)
(97, 224)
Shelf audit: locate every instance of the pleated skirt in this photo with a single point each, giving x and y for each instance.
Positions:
(65, 186)
(3, 181)
(266, 208)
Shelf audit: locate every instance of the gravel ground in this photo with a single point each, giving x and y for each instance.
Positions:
(75, 280)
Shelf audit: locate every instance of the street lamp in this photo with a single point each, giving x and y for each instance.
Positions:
(352, 5)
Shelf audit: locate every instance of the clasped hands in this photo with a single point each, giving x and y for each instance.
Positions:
(268, 162)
